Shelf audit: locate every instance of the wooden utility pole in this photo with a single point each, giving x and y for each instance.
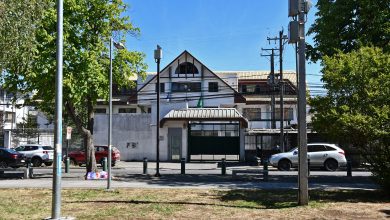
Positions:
(281, 40)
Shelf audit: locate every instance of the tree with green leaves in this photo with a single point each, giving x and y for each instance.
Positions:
(356, 109)
(351, 39)
(347, 25)
(88, 27)
(18, 21)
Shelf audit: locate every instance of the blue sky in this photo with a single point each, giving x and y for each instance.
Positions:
(223, 34)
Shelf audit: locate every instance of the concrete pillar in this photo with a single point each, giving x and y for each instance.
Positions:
(242, 144)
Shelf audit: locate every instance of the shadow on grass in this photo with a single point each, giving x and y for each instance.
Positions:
(276, 199)
(268, 199)
(163, 203)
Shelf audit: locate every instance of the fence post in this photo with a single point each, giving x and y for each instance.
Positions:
(223, 166)
(183, 165)
(105, 164)
(349, 168)
(145, 166)
(265, 170)
(67, 163)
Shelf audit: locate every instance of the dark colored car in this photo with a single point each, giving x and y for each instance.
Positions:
(78, 157)
(11, 158)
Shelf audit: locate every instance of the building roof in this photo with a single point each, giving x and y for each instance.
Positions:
(261, 75)
(205, 114)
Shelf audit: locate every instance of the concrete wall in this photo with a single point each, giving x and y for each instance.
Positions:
(132, 134)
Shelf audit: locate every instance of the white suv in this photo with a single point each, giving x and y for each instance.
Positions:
(328, 156)
(38, 154)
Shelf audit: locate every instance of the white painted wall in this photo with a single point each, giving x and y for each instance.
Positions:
(132, 134)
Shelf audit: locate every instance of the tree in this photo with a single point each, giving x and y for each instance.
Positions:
(356, 108)
(347, 25)
(18, 20)
(88, 27)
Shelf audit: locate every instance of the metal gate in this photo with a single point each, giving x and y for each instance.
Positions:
(213, 139)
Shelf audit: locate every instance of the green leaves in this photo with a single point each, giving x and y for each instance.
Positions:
(356, 109)
(347, 25)
(358, 96)
(88, 26)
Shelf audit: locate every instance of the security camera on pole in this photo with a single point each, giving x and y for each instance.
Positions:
(299, 8)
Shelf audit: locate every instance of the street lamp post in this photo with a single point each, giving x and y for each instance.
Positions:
(157, 58)
(57, 171)
(118, 46)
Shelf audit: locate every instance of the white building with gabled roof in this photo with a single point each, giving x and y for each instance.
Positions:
(202, 112)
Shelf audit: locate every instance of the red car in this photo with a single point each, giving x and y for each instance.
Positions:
(78, 157)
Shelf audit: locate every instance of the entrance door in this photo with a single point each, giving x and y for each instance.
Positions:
(174, 143)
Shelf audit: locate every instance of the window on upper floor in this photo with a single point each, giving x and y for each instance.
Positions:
(250, 89)
(252, 114)
(288, 114)
(162, 87)
(186, 68)
(9, 117)
(213, 86)
(99, 110)
(127, 110)
(123, 91)
(186, 87)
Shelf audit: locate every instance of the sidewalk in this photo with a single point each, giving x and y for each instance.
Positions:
(198, 175)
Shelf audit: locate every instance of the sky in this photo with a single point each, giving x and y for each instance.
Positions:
(222, 34)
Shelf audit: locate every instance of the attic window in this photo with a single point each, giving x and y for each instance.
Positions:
(186, 68)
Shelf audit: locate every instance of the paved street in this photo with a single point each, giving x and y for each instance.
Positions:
(198, 175)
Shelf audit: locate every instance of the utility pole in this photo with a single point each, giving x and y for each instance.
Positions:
(271, 83)
(273, 124)
(297, 35)
(281, 40)
(302, 132)
(157, 58)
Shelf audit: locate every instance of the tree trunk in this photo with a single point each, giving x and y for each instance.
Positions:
(89, 152)
(87, 134)
(91, 160)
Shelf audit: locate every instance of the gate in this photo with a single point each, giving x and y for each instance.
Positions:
(213, 139)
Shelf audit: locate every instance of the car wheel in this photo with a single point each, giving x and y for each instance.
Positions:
(331, 165)
(49, 163)
(3, 164)
(36, 162)
(284, 165)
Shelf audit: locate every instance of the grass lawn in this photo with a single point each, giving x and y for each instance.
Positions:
(195, 204)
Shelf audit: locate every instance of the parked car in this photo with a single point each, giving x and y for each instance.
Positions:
(328, 156)
(78, 157)
(38, 154)
(11, 158)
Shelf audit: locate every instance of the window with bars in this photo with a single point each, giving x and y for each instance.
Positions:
(186, 68)
(186, 87)
(252, 114)
(127, 110)
(288, 114)
(100, 110)
(216, 130)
